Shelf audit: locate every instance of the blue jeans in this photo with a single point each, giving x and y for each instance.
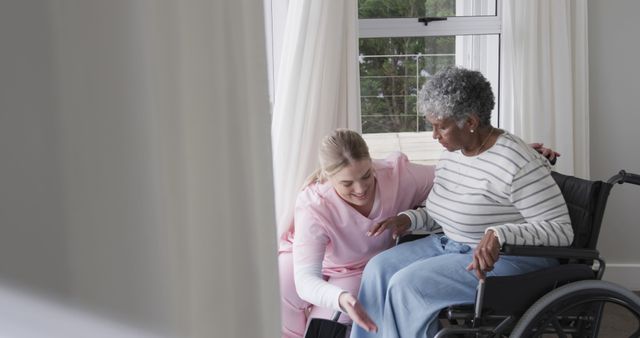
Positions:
(404, 288)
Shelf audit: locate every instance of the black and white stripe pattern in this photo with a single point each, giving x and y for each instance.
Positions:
(507, 188)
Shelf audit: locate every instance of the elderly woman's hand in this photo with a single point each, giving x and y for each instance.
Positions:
(354, 309)
(485, 255)
(398, 224)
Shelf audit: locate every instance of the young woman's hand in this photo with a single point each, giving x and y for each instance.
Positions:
(398, 224)
(354, 309)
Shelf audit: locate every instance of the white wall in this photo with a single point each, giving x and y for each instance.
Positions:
(614, 76)
(135, 163)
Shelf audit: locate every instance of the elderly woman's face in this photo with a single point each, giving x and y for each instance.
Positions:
(355, 183)
(447, 132)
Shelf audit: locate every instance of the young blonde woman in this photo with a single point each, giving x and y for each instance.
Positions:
(320, 269)
(338, 227)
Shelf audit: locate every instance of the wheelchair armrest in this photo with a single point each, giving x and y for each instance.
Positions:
(556, 252)
(549, 251)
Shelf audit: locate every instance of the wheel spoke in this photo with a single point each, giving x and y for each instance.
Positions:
(575, 310)
(558, 327)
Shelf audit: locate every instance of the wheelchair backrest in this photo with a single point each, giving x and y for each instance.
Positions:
(586, 201)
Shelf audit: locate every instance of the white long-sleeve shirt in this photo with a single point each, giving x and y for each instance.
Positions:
(508, 189)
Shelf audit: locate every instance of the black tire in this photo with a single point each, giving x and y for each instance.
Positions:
(584, 297)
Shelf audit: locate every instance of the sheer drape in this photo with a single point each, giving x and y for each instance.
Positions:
(545, 77)
(317, 91)
(154, 115)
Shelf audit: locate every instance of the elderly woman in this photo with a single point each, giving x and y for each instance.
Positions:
(490, 188)
(338, 227)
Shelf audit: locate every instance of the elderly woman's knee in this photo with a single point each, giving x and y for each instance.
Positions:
(402, 279)
(374, 265)
(403, 286)
(379, 265)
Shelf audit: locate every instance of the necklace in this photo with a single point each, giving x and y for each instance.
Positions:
(484, 142)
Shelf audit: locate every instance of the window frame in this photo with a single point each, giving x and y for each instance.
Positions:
(452, 26)
(411, 27)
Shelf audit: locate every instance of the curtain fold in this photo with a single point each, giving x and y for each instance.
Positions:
(317, 91)
(545, 77)
(163, 118)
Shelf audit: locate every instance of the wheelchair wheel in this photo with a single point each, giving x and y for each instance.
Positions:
(576, 310)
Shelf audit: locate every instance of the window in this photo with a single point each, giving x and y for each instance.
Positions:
(398, 53)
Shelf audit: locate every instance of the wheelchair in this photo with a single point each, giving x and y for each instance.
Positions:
(567, 300)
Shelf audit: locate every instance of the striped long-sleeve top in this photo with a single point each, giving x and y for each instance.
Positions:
(508, 189)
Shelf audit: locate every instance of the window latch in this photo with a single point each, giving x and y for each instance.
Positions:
(428, 19)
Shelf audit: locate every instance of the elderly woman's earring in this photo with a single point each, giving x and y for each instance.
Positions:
(471, 131)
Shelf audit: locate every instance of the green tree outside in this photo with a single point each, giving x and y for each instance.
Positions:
(393, 69)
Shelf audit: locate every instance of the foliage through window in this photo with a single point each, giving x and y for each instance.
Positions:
(398, 54)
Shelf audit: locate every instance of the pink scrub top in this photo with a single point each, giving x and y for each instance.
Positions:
(330, 231)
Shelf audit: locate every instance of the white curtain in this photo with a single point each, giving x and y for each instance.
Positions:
(156, 116)
(317, 91)
(545, 77)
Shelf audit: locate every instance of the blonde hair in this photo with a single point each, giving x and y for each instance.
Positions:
(338, 150)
